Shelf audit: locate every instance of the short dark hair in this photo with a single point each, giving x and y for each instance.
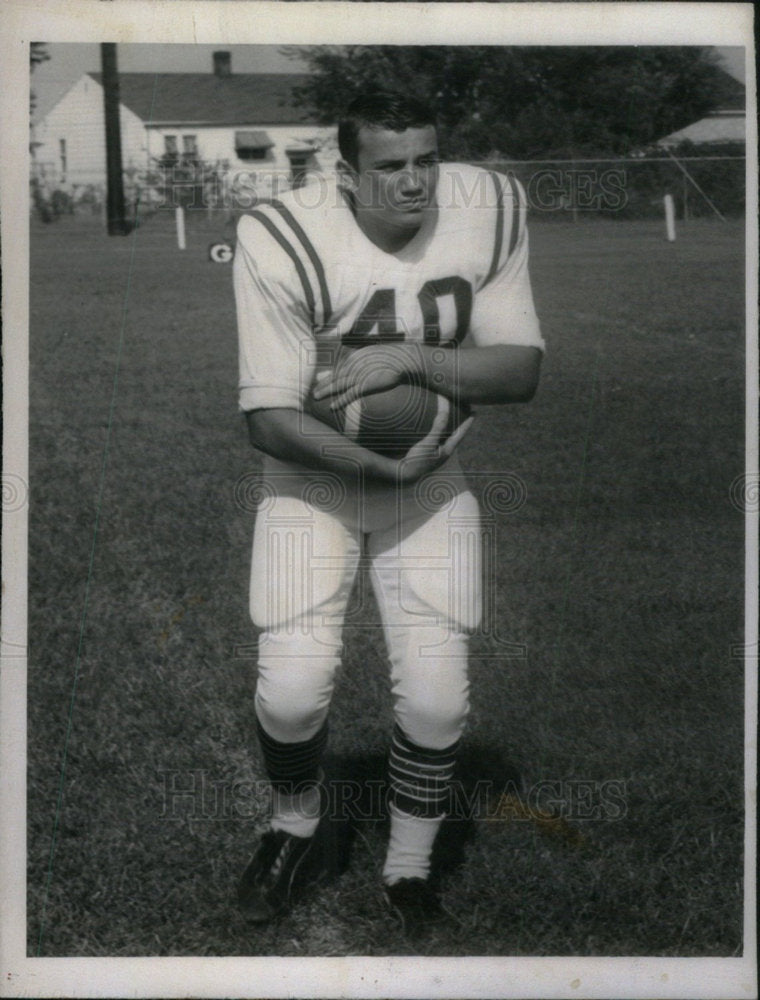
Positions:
(380, 109)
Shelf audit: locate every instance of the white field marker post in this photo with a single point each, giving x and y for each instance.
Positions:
(179, 213)
(670, 218)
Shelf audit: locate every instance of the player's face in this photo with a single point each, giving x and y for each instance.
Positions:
(395, 181)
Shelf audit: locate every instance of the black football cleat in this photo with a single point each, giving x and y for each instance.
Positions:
(282, 865)
(416, 905)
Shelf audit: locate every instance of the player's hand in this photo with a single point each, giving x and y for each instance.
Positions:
(431, 451)
(363, 372)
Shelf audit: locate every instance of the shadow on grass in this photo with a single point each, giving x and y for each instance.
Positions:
(358, 800)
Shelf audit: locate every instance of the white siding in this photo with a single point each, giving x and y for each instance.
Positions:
(78, 119)
(718, 127)
(217, 145)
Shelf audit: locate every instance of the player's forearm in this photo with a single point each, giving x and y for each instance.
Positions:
(500, 373)
(293, 436)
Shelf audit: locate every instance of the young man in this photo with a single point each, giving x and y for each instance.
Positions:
(398, 258)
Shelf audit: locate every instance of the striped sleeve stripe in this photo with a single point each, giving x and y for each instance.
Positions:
(514, 231)
(301, 270)
(313, 256)
(499, 235)
(514, 228)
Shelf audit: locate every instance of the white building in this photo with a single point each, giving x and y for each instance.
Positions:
(249, 122)
(717, 128)
(724, 125)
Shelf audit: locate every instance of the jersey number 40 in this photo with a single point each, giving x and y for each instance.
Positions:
(379, 321)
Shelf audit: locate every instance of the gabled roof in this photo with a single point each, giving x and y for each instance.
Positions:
(205, 98)
(718, 127)
(728, 93)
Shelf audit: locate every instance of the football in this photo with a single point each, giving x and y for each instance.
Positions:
(390, 422)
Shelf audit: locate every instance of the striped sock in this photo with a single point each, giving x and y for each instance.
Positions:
(296, 777)
(409, 846)
(291, 764)
(298, 814)
(420, 780)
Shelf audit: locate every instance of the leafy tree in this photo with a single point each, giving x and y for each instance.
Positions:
(527, 101)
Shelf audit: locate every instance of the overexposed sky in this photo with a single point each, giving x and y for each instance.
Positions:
(69, 60)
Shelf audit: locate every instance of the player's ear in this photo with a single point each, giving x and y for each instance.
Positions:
(348, 176)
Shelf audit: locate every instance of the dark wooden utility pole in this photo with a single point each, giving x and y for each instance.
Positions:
(117, 223)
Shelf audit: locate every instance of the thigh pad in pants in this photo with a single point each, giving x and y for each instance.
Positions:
(303, 565)
(429, 566)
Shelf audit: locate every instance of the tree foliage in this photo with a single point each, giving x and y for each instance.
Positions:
(526, 102)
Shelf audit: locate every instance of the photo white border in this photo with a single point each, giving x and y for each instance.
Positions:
(254, 22)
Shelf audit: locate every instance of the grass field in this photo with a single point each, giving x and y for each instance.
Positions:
(621, 575)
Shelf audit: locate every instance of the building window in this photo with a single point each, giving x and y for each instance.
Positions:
(252, 154)
(189, 147)
(170, 150)
(62, 152)
(252, 145)
(300, 162)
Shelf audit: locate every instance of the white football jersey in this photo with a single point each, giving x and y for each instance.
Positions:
(307, 279)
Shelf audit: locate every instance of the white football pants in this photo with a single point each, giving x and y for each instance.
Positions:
(425, 567)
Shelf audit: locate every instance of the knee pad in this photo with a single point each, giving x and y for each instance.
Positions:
(296, 672)
(430, 684)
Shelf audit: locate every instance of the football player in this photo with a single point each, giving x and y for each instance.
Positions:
(421, 268)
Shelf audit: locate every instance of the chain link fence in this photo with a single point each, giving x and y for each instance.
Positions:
(634, 187)
(701, 184)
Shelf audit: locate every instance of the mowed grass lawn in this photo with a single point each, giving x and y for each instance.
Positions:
(620, 577)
